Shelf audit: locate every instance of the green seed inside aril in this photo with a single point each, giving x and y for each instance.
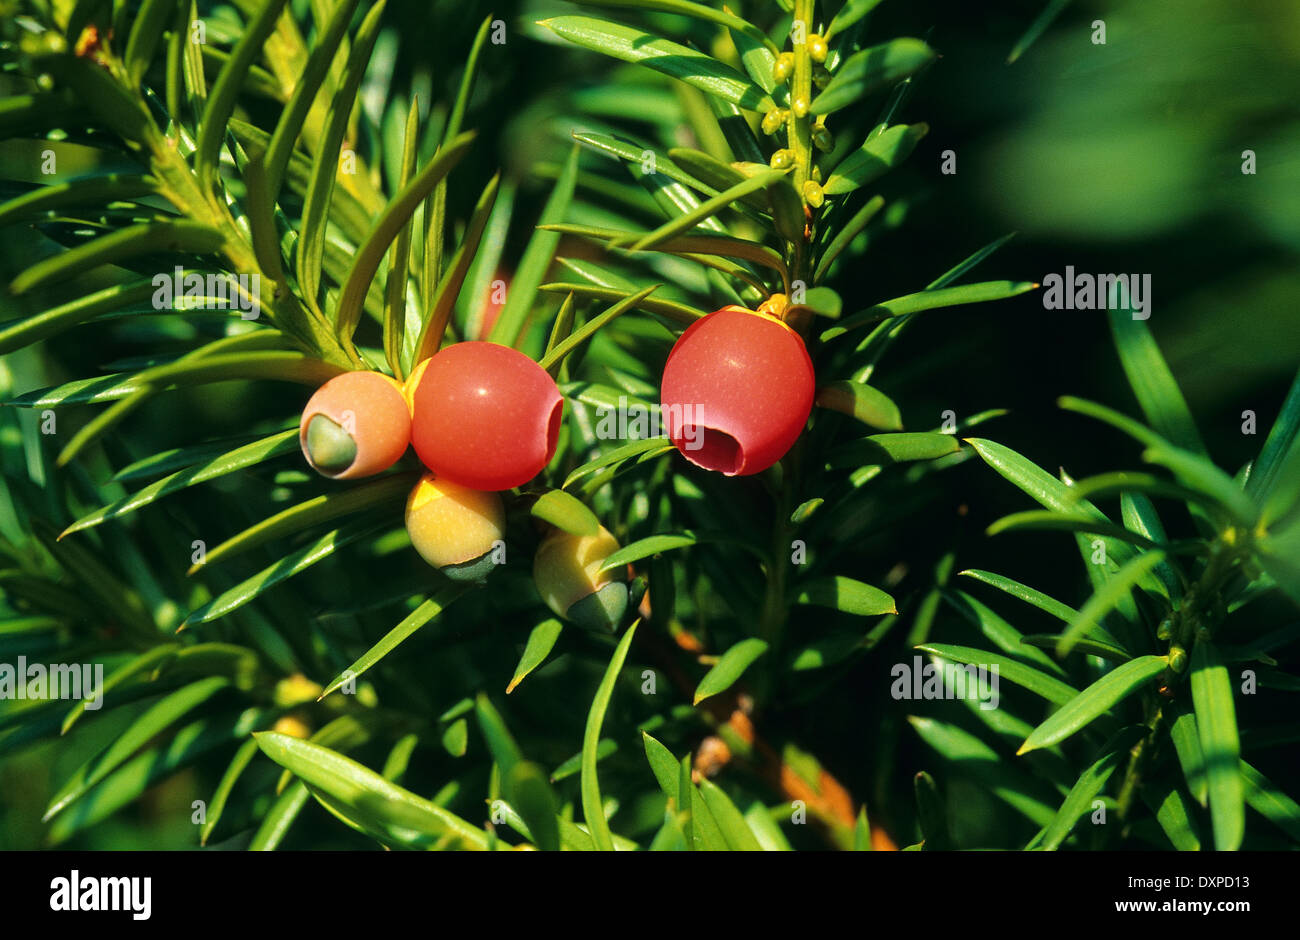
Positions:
(331, 448)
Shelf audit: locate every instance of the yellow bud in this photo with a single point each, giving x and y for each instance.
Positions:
(783, 67)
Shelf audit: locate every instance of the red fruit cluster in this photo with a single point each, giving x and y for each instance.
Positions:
(483, 417)
(479, 414)
(737, 391)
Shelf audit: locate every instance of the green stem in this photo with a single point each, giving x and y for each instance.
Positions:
(182, 189)
(772, 620)
(799, 132)
(1139, 757)
(800, 126)
(1196, 611)
(772, 617)
(1198, 608)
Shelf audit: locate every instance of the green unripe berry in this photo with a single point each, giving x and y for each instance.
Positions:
(1177, 659)
(51, 40)
(783, 68)
(822, 138)
(821, 77)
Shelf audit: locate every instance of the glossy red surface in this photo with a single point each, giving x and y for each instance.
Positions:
(737, 391)
(484, 415)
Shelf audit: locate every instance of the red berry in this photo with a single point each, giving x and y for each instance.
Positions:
(356, 424)
(484, 415)
(737, 391)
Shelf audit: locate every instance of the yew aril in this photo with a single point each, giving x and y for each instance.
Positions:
(484, 415)
(355, 425)
(737, 391)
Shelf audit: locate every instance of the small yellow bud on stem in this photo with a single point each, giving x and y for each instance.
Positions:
(783, 68)
(817, 47)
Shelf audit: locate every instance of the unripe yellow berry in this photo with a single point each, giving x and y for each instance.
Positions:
(292, 725)
(568, 576)
(296, 689)
(455, 528)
